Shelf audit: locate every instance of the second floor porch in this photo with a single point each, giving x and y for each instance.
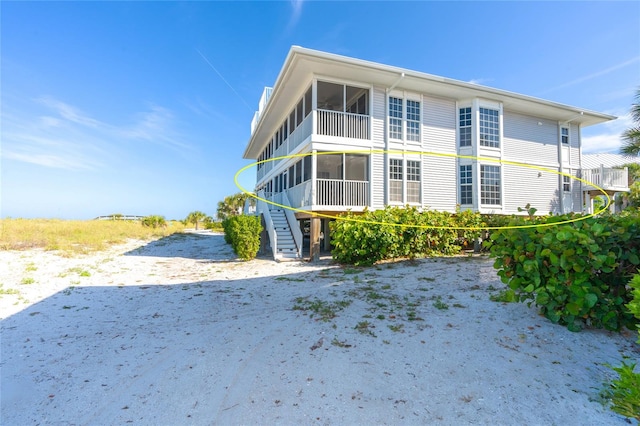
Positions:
(609, 179)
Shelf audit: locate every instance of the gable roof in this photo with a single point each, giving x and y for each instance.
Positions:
(302, 64)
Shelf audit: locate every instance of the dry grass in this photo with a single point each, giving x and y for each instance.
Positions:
(75, 236)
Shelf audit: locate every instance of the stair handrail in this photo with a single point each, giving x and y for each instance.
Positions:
(293, 224)
(263, 208)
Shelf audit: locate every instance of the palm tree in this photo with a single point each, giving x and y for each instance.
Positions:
(195, 217)
(232, 205)
(631, 137)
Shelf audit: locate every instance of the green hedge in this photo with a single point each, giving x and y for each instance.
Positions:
(243, 233)
(400, 232)
(577, 273)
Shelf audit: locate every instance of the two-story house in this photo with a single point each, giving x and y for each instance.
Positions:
(338, 133)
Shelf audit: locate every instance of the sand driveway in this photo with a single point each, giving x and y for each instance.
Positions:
(177, 332)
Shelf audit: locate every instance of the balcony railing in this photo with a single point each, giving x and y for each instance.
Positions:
(329, 193)
(348, 193)
(607, 179)
(342, 124)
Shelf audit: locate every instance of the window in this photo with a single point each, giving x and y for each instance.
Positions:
(330, 166)
(395, 118)
(564, 135)
(413, 181)
(465, 126)
(466, 185)
(299, 172)
(413, 121)
(307, 102)
(566, 183)
(306, 170)
(404, 121)
(292, 177)
(395, 180)
(489, 128)
(490, 185)
(357, 100)
(356, 167)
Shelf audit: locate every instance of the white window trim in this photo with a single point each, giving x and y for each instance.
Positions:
(406, 96)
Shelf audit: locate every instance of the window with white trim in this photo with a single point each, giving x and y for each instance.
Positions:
(490, 185)
(465, 126)
(466, 185)
(395, 180)
(413, 181)
(413, 121)
(395, 118)
(566, 183)
(564, 135)
(489, 127)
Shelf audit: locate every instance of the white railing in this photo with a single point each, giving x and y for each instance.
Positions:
(262, 207)
(346, 193)
(302, 132)
(300, 195)
(294, 226)
(342, 124)
(607, 178)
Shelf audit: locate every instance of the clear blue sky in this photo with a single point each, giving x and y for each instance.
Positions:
(145, 107)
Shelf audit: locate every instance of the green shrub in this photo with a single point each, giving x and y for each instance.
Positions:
(624, 392)
(634, 305)
(154, 221)
(243, 233)
(396, 232)
(577, 273)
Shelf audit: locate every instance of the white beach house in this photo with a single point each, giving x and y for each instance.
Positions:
(399, 137)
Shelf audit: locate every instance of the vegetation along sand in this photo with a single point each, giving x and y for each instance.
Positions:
(177, 331)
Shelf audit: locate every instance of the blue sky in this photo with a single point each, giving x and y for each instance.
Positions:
(145, 107)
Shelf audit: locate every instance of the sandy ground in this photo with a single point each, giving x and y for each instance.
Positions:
(177, 332)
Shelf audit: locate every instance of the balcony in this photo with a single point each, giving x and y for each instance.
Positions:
(342, 124)
(331, 194)
(342, 193)
(613, 180)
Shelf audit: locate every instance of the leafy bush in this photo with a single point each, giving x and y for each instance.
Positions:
(243, 233)
(400, 232)
(154, 221)
(575, 272)
(634, 305)
(624, 392)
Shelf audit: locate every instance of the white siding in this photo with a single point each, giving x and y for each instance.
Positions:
(439, 183)
(377, 118)
(523, 185)
(377, 161)
(439, 125)
(574, 141)
(529, 142)
(377, 180)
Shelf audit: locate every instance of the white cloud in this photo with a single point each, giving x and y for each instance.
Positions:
(296, 6)
(596, 74)
(607, 139)
(65, 137)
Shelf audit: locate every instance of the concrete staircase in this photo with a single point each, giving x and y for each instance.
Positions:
(286, 245)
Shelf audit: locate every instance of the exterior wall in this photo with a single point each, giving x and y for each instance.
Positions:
(439, 183)
(378, 168)
(523, 185)
(526, 141)
(439, 125)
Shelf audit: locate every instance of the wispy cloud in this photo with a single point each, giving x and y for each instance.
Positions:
(55, 134)
(608, 139)
(296, 11)
(595, 74)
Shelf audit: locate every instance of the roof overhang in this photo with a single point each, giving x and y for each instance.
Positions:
(302, 64)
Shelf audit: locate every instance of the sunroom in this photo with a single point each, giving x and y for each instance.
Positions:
(321, 180)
